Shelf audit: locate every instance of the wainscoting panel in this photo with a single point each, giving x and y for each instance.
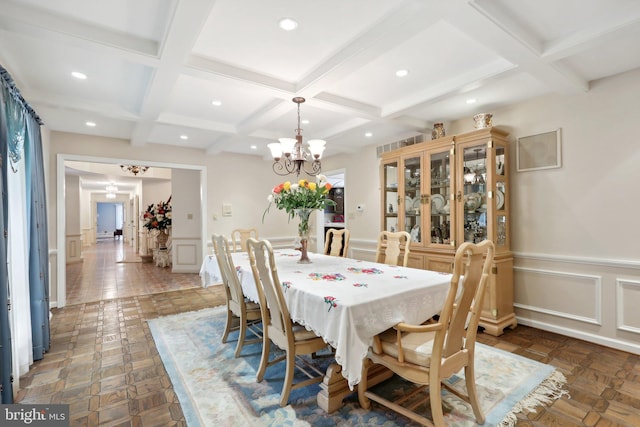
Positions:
(628, 301)
(186, 255)
(74, 248)
(575, 296)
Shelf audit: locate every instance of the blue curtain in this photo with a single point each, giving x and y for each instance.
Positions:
(20, 136)
(38, 243)
(6, 390)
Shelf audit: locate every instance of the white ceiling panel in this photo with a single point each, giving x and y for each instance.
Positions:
(246, 33)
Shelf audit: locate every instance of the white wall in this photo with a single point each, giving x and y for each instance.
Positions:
(186, 230)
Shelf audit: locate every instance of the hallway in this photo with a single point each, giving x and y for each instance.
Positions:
(111, 269)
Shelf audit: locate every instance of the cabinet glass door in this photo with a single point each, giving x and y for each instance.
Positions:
(475, 193)
(440, 197)
(412, 197)
(390, 196)
(502, 226)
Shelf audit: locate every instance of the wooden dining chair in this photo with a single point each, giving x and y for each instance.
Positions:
(427, 354)
(239, 238)
(393, 248)
(242, 315)
(278, 327)
(336, 242)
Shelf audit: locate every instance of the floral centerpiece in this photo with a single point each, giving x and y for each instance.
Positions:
(301, 199)
(158, 217)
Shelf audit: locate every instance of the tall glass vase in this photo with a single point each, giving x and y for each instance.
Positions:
(303, 233)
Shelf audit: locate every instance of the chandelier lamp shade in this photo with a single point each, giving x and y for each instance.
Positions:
(291, 157)
(134, 169)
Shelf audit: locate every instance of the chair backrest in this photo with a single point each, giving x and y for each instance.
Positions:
(275, 313)
(235, 296)
(461, 311)
(393, 248)
(239, 238)
(336, 242)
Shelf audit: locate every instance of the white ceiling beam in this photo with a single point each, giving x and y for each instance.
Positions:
(82, 105)
(600, 34)
(195, 123)
(186, 25)
(447, 87)
(207, 69)
(42, 21)
(409, 19)
(486, 23)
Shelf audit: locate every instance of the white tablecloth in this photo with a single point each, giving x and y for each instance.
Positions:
(348, 302)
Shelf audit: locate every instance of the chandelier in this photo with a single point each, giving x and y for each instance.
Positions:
(112, 189)
(296, 157)
(134, 169)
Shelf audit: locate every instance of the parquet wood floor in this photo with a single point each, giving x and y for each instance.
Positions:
(103, 361)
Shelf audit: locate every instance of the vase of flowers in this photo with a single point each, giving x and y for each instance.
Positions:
(301, 200)
(303, 233)
(158, 218)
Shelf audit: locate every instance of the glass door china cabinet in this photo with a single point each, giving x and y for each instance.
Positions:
(452, 190)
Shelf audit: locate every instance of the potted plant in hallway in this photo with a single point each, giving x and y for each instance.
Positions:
(158, 218)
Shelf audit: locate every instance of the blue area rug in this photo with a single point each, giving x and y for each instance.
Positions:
(216, 389)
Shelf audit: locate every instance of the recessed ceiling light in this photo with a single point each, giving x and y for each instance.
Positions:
(288, 24)
(184, 137)
(78, 75)
(368, 134)
(216, 103)
(91, 124)
(402, 73)
(471, 101)
(254, 147)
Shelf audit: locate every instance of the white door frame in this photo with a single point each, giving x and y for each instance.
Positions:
(61, 276)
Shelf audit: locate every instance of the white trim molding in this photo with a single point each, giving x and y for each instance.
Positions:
(586, 336)
(600, 262)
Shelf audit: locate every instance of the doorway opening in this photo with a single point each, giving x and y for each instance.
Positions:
(109, 220)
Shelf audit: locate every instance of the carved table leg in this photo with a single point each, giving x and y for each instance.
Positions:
(334, 387)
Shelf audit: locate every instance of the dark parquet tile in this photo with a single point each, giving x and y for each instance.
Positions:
(103, 361)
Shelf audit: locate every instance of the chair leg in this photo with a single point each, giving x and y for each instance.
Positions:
(242, 332)
(473, 393)
(435, 398)
(288, 377)
(264, 359)
(228, 326)
(365, 403)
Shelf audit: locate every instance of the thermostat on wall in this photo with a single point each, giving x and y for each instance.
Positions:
(226, 209)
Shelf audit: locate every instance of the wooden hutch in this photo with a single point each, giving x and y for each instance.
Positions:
(451, 190)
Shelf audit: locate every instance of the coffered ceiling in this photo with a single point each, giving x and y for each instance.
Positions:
(154, 67)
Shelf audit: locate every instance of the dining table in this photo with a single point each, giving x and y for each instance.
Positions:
(347, 302)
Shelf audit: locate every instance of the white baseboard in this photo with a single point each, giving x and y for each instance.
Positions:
(585, 336)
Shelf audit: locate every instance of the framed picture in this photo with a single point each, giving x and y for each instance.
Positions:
(540, 151)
